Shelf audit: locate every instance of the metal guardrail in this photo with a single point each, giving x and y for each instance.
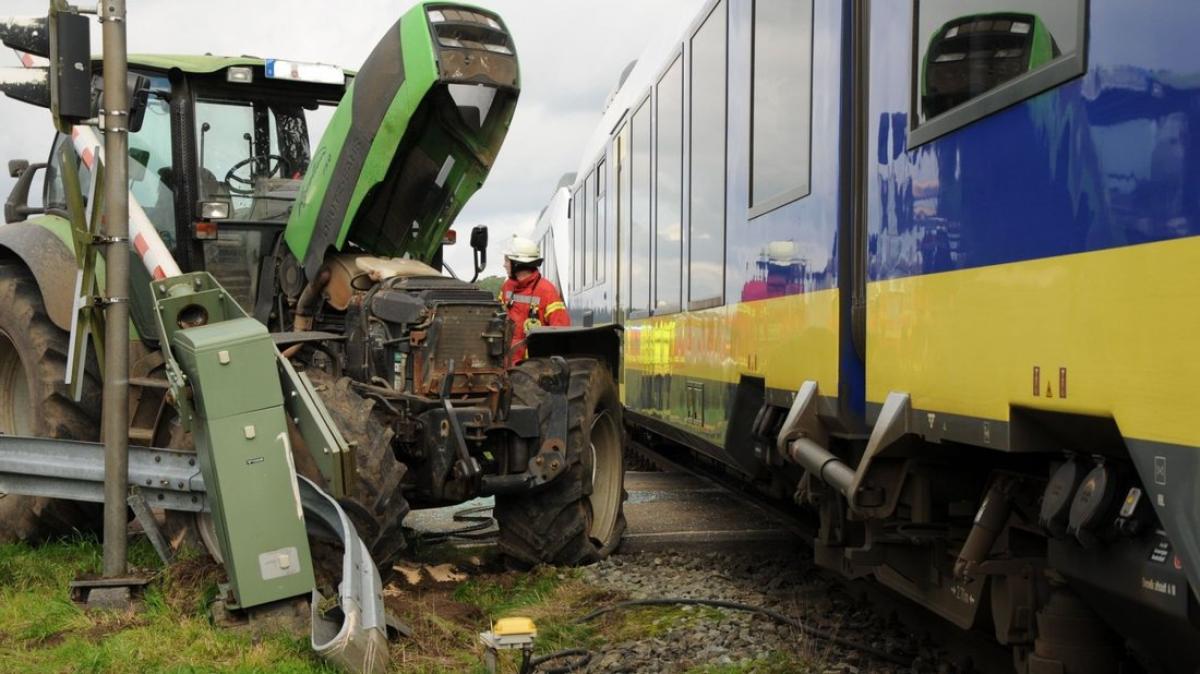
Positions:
(355, 640)
(74, 470)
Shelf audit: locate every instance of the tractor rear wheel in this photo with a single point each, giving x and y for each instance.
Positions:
(377, 505)
(34, 401)
(578, 518)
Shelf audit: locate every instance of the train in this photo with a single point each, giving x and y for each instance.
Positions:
(931, 271)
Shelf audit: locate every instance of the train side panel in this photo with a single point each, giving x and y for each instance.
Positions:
(778, 324)
(1034, 273)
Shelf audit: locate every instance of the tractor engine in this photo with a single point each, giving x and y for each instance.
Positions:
(431, 353)
(428, 337)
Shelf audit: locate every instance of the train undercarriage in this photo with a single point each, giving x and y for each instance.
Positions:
(1052, 553)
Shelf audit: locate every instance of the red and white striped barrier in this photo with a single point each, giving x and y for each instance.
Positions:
(145, 239)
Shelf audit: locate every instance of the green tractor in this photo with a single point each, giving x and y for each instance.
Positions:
(337, 250)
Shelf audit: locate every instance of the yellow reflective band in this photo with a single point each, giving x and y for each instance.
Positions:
(555, 306)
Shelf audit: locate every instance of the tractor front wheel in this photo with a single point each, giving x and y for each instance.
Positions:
(578, 518)
(376, 506)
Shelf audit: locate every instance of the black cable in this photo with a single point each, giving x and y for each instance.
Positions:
(774, 615)
(582, 658)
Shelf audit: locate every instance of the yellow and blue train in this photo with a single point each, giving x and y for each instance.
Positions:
(932, 268)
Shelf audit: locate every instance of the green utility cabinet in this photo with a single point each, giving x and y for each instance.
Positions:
(245, 456)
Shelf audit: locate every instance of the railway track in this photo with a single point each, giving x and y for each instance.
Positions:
(957, 650)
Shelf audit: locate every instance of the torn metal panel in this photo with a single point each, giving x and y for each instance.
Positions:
(358, 641)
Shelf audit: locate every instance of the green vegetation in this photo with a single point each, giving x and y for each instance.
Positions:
(491, 284)
(41, 630)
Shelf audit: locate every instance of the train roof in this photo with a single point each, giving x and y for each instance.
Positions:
(636, 79)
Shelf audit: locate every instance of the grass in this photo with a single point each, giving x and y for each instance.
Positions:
(41, 630)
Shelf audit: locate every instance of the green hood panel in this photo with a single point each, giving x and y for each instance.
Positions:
(412, 140)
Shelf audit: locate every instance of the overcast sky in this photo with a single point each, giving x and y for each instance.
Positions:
(571, 52)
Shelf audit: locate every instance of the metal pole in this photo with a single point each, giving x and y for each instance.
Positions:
(116, 315)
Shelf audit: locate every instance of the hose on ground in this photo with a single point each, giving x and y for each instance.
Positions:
(778, 617)
(582, 658)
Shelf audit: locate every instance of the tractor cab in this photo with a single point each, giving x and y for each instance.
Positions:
(234, 169)
(219, 157)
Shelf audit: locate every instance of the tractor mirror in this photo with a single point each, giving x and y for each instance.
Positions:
(479, 242)
(139, 97)
(17, 207)
(16, 167)
(479, 237)
(138, 91)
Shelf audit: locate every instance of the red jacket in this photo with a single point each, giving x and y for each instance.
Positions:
(532, 302)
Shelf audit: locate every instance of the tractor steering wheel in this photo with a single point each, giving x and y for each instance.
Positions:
(231, 179)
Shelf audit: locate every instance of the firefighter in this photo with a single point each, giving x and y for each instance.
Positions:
(531, 299)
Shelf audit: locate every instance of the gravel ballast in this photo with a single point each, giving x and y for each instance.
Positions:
(703, 639)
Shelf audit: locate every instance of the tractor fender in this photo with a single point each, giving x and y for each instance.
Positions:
(602, 342)
(50, 260)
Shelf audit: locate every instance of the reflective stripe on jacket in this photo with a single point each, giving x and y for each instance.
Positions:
(532, 302)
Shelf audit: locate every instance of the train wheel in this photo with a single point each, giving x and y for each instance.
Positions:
(34, 401)
(578, 518)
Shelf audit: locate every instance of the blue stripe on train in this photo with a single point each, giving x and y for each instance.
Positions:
(1106, 160)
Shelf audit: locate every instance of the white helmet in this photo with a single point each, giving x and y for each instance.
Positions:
(521, 249)
(781, 252)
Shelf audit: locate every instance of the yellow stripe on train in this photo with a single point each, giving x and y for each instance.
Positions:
(1119, 328)
(786, 340)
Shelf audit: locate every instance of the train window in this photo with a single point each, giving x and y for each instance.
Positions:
(706, 260)
(585, 222)
(668, 191)
(590, 233)
(972, 58)
(639, 265)
(621, 150)
(599, 226)
(781, 99)
(577, 236)
(550, 258)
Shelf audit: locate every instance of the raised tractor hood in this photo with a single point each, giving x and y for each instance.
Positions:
(412, 140)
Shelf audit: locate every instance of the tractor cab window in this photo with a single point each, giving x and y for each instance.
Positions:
(151, 180)
(252, 156)
(55, 191)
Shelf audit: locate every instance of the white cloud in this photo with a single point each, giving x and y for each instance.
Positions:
(571, 52)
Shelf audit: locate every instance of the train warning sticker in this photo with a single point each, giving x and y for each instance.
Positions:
(1160, 586)
(1162, 551)
(1160, 470)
